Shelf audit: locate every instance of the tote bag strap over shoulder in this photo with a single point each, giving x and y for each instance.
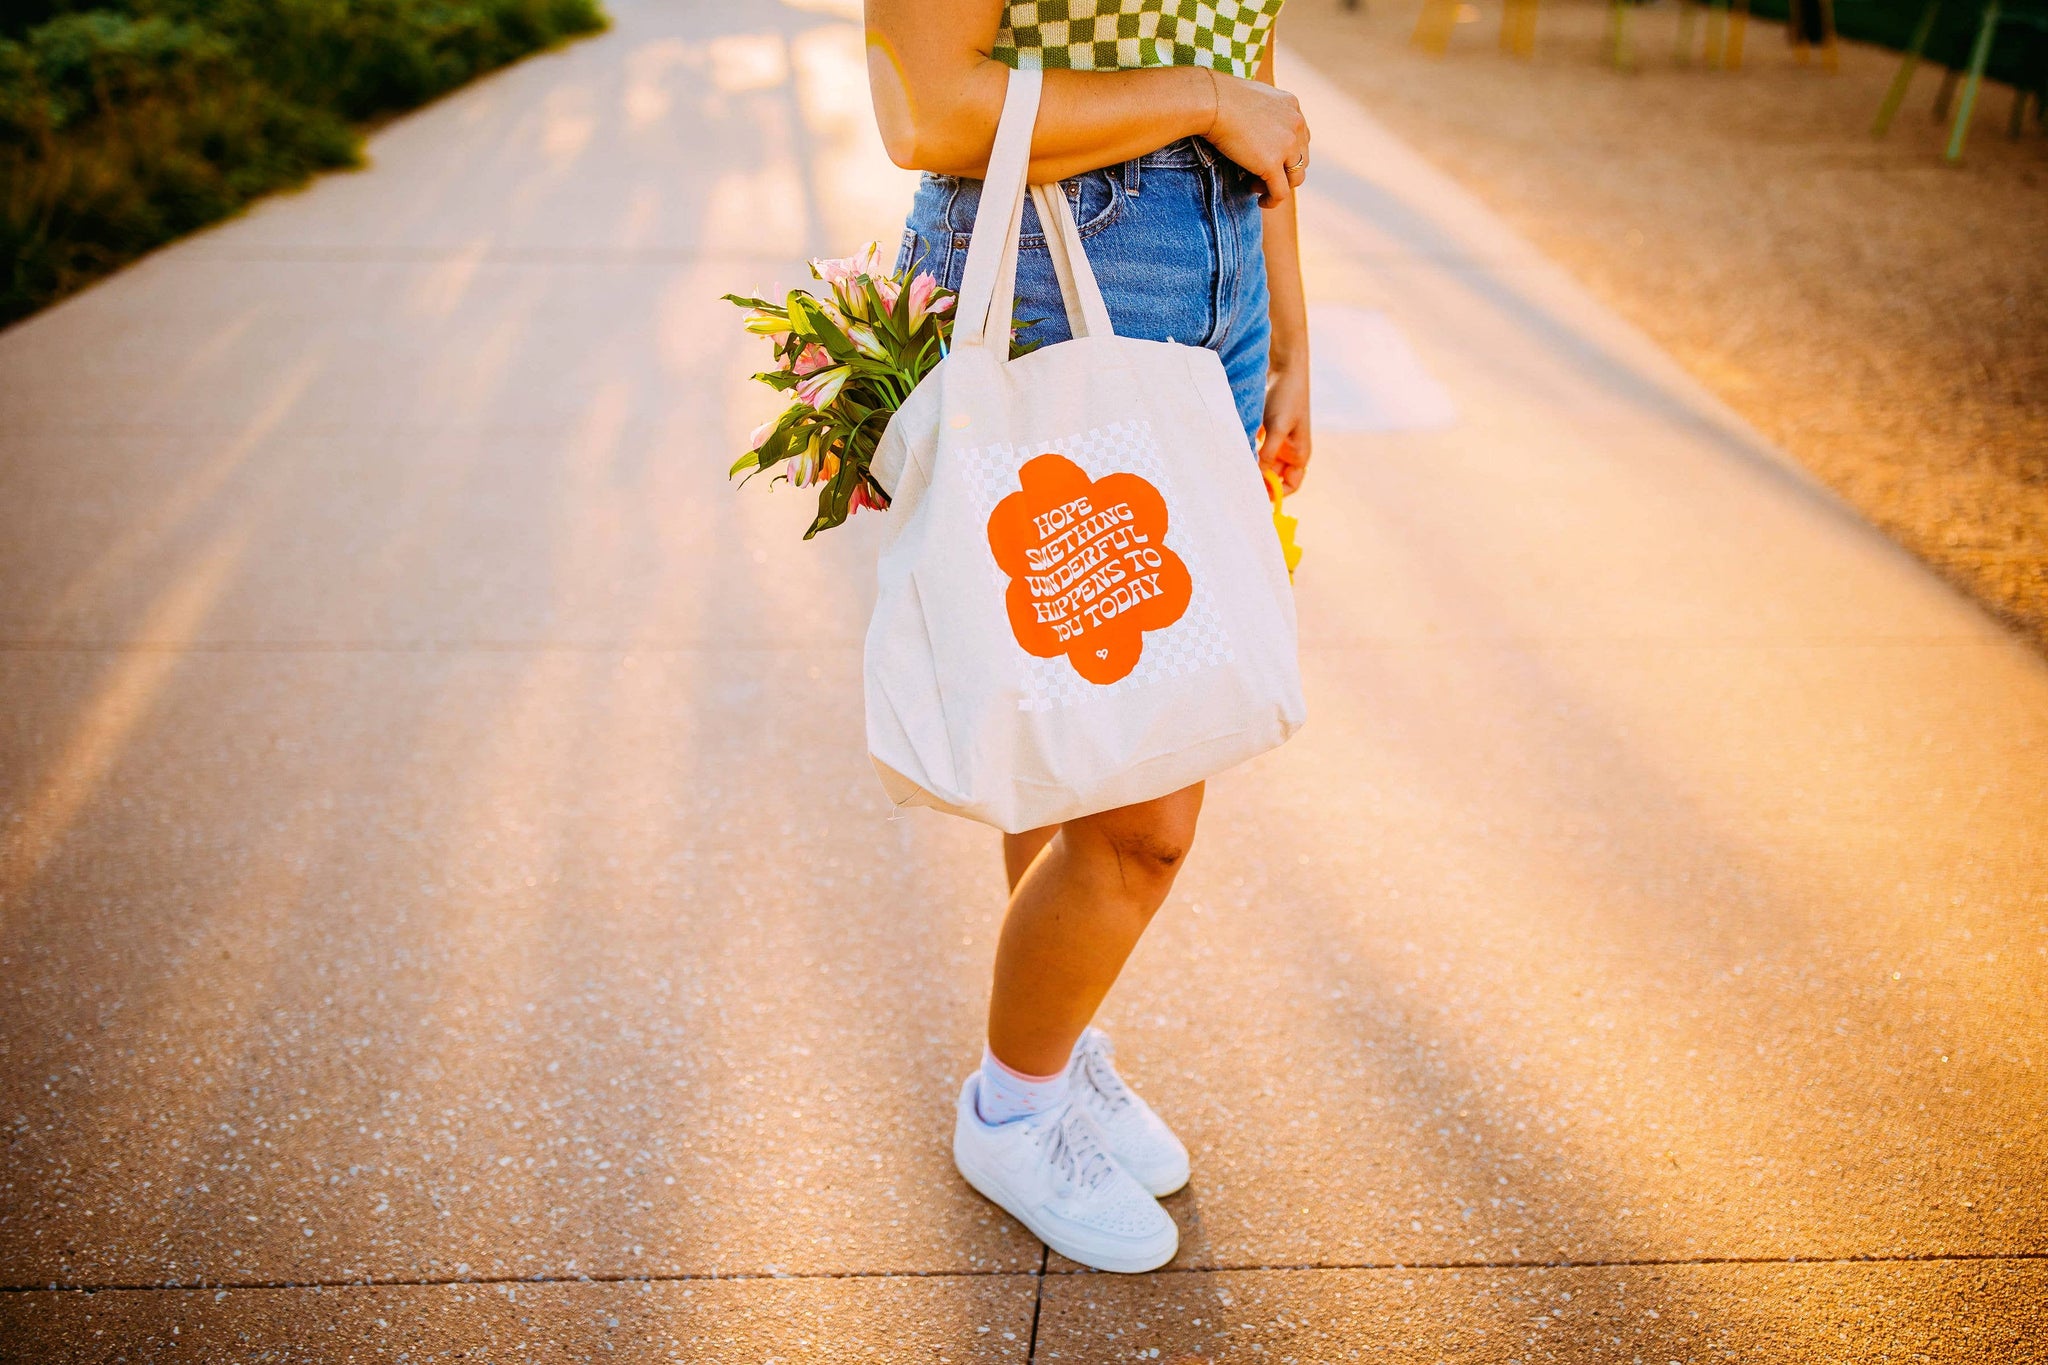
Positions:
(988, 286)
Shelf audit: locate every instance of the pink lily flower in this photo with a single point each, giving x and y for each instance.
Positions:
(864, 338)
(802, 467)
(922, 287)
(812, 359)
(821, 388)
(846, 269)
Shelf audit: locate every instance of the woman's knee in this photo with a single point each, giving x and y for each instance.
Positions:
(1149, 841)
(1146, 855)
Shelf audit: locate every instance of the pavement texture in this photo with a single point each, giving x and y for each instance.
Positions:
(446, 910)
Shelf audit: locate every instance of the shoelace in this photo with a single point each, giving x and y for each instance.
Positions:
(1074, 1151)
(1102, 1077)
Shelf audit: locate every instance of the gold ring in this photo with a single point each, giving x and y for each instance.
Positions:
(1299, 162)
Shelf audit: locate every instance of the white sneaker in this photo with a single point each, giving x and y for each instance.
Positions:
(1138, 1138)
(1054, 1174)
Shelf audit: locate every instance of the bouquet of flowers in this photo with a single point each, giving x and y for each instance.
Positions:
(848, 360)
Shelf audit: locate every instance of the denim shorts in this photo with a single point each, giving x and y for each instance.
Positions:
(1175, 239)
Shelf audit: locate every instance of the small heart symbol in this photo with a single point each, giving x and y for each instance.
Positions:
(1102, 654)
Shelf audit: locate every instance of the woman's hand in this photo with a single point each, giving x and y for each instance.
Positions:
(1261, 129)
(1284, 445)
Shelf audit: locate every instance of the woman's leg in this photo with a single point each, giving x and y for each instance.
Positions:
(1020, 850)
(1080, 900)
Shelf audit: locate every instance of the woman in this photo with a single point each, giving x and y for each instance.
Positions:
(1179, 159)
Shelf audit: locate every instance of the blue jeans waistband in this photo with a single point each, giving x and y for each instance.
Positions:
(1189, 151)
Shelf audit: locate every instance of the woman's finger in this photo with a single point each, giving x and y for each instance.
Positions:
(1279, 185)
(1297, 160)
(1288, 464)
(1288, 457)
(1271, 443)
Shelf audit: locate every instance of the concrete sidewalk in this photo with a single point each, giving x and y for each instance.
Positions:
(444, 903)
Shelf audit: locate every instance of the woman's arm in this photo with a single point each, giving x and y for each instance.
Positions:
(1284, 448)
(938, 96)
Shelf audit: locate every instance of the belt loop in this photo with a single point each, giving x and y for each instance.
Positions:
(1132, 175)
(946, 209)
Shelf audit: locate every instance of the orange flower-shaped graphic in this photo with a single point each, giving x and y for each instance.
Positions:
(1089, 568)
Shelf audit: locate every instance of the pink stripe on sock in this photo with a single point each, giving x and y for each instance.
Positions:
(1024, 1076)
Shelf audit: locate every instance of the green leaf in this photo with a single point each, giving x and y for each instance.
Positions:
(744, 302)
(750, 460)
(865, 366)
(834, 500)
(1020, 343)
(776, 447)
(877, 308)
(810, 316)
(901, 312)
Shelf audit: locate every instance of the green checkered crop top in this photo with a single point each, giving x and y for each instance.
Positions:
(1113, 35)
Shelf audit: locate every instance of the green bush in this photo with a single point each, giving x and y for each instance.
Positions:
(129, 122)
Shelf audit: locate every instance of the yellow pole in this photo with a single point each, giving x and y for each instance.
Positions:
(1433, 26)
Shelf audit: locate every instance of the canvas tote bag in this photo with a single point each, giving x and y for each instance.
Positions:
(1081, 602)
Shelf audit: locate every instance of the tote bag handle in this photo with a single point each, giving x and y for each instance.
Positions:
(988, 286)
(1087, 315)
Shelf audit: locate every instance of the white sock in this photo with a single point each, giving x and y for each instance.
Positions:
(1005, 1094)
